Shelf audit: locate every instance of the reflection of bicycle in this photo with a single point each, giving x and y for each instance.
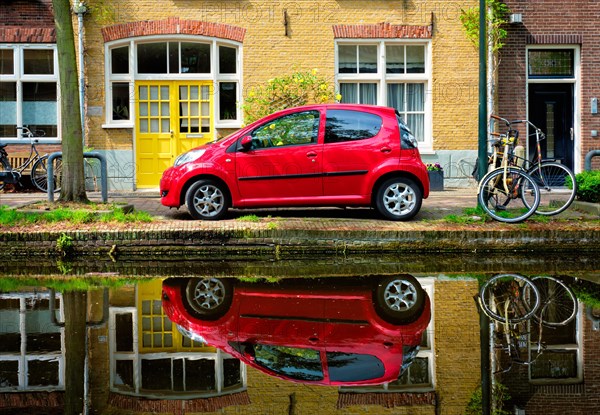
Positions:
(35, 161)
(522, 308)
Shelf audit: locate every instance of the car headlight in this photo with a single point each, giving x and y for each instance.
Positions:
(190, 334)
(189, 156)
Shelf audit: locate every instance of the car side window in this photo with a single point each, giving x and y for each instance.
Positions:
(293, 129)
(346, 125)
(292, 362)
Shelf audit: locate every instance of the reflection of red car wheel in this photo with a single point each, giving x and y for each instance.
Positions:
(208, 298)
(399, 299)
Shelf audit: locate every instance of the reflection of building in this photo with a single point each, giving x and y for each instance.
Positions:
(32, 359)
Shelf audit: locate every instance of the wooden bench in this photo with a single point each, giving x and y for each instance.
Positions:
(17, 159)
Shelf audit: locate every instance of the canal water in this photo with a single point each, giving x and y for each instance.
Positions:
(389, 335)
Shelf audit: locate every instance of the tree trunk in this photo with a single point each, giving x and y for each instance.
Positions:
(73, 179)
(75, 306)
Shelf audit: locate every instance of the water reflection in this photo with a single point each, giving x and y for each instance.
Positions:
(190, 345)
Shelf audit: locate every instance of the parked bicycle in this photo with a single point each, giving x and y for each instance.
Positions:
(35, 161)
(555, 181)
(522, 309)
(507, 193)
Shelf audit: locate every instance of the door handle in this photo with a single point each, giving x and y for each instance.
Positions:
(311, 154)
(572, 134)
(171, 133)
(313, 340)
(386, 150)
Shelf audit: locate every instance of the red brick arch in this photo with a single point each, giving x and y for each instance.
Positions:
(173, 26)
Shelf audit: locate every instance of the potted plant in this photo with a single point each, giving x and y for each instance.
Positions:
(436, 177)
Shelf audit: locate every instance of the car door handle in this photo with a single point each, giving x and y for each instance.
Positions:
(313, 340)
(386, 150)
(311, 154)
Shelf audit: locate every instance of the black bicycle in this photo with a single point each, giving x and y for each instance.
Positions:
(38, 163)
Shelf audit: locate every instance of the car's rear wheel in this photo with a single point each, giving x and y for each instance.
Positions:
(207, 200)
(208, 297)
(398, 198)
(399, 299)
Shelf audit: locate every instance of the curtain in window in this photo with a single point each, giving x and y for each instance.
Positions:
(349, 93)
(368, 94)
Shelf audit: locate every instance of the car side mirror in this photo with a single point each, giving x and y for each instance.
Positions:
(246, 143)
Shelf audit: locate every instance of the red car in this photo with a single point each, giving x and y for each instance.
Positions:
(319, 155)
(327, 332)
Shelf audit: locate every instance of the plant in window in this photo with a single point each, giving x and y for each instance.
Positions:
(299, 88)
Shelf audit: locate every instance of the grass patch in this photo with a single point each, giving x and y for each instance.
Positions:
(470, 215)
(80, 215)
(10, 284)
(249, 218)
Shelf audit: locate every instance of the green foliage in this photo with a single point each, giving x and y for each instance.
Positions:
(470, 215)
(64, 245)
(74, 216)
(588, 186)
(496, 18)
(287, 91)
(587, 292)
(249, 218)
(500, 395)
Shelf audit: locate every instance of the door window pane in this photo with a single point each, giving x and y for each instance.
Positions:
(343, 125)
(227, 60)
(555, 63)
(8, 109)
(195, 58)
(152, 58)
(7, 64)
(120, 60)
(294, 129)
(38, 61)
(347, 367)
(555, 365)
(40, 109)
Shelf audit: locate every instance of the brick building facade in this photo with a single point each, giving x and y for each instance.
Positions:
(411, 55)
(549, 71)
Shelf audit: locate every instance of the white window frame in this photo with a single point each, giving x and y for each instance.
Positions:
(577, 347)
(133, 76)
(137, 357)
(24, 356)
(19, 77)
(428, 285)
(382, 79)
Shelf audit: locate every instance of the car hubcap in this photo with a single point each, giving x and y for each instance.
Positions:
(209, 294)
(399, 199)
(208, 200)
(400, 295)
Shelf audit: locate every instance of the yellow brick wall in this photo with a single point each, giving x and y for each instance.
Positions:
(268, 52)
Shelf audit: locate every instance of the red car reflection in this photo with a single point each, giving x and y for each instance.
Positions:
(329, 331)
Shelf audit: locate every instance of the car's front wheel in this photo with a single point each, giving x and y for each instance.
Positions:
(207, 200)
(398, 198)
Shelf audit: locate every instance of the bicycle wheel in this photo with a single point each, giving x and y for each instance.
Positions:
(558, 302)
(39, 174)
(557, 187)
(4, 166)
(509, 298)
(508, 195)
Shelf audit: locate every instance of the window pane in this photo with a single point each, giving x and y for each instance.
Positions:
(395, 96)
(347, 59)
(551, 63)
(294, 129)
(8, 109)
(120, 100)
(415, 97)
(415, 59)
(152, 58)
(416, 123)
(200, 375)
(173, 57)
(349, 93)
(295, 363)
(124, 375)
(40, 107)
(367, 59)
(343, 125)
(232, 372)
(227, 101)
(227, 60)
(555, 365)
(120, 60)
(150, 369)
(394, 59)
(42, 373)
(9, 373)
(7, 64)
(195, 58)
(368, 94)
(38, 61)
(124, 332)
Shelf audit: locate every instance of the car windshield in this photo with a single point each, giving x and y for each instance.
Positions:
(294, 363)
(347, 367)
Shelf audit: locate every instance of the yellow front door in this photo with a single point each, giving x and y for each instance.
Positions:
(172, 117)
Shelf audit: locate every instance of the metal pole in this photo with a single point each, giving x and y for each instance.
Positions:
(80, 9)
(482, 147)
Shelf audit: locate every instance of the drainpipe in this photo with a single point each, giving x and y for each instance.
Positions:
(80, 9)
